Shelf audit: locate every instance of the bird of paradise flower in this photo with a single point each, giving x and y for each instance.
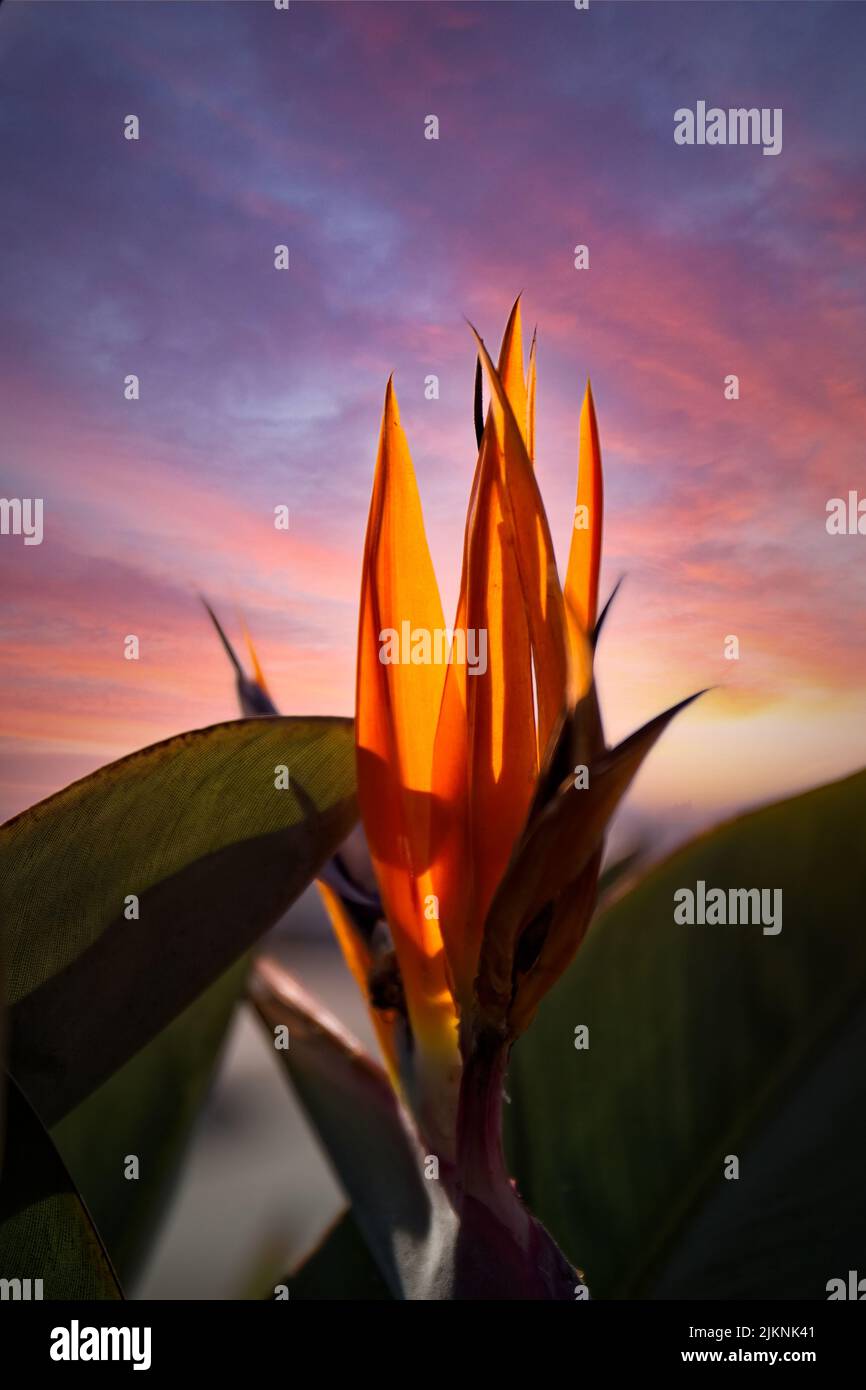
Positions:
(484, 802)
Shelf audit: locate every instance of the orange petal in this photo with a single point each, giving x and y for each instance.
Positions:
(485, 762)
(257, 670)
(397, 708)
(530, 400)
(502, 757)
(581, 580)
(511, 367)
(580, 648)
(450, 871)
(360, 961)
(542, 597)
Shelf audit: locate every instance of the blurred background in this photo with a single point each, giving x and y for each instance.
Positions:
(256, 1193)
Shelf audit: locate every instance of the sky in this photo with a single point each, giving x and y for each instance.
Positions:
(261, 387)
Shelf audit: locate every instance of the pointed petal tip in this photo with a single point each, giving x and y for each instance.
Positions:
(254, 658)
(683, 704)
(229, 649)
(600, 620)
(515, 318)
(391, 409)
(483, 354)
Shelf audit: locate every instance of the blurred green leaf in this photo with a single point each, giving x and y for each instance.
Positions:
(147, 1108)
(708, 1041)
(340, 1268)
(197, 829)
(45, 1230)
(406, 1220)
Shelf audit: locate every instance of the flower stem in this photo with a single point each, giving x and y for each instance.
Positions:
(503, 1252)
(480, 1157)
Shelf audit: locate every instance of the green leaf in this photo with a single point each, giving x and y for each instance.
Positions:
(45, 1230)
(406, 1221)
(196, 829)
(709, 1041)
(340, 1268)
(147, 1108)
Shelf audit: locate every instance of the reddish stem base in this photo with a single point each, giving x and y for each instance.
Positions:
(502, 1252)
